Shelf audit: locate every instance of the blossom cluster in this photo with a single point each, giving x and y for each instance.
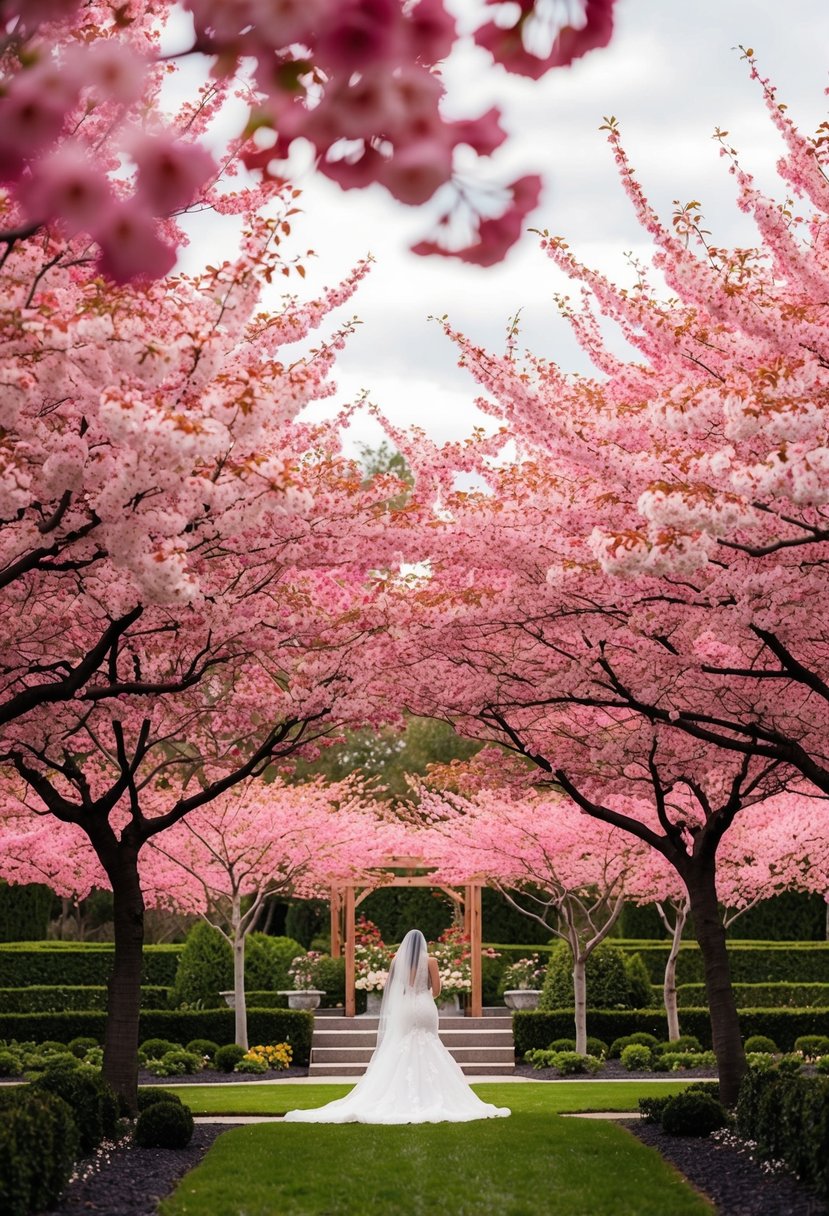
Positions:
(524, 973)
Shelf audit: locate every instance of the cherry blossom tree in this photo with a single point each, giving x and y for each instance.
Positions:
(186, 566)
(254, 842)
(550, 861)
(359, 81)
(637, 601)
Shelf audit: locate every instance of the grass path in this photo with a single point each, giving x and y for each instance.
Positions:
(532, 1164)
(542, 1098)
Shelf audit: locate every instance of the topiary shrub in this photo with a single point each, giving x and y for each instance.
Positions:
(685, 1042)
(93, 1104)
(812, 1046)
(675, 1061)
(39, 1143)
(596, 1047)
(639, 1036)
(81, 1045)
(149, 1097)
(156, 1049)
(640, 992)
(693, 1113)
(164, 1125)
(203, 1047)
(267, 960)
(822, 1065)
(562, 1045)
(760, 1042)
(636, 1057)
(650, 1109)
(607, 980)
(792, 1062)
(228, 1057)
(205, 968)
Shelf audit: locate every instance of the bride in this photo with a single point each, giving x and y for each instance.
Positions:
(411, 1078)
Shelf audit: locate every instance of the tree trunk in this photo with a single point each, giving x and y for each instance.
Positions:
(239, 991)
(710, 934)
(669, 984)
(580, 999)
(124, 996)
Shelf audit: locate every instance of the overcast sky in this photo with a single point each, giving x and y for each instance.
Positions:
(671, 75)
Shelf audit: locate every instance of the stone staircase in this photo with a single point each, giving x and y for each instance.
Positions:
(342, 1046)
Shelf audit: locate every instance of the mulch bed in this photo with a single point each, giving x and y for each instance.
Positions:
(210, 1077)
(737, 1185)
(132, 1181)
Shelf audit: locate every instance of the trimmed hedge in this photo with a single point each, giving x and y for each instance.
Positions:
(536, 1028)
(25, 909)
(78, 963)
(44, 998)
(294, 1026)
(761, 996)
(788, 1118)
(751, 962)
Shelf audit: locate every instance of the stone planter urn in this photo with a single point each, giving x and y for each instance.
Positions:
(449, 1006)
(303, 998)
(374, 1000)
(230, 998)
(522, 998)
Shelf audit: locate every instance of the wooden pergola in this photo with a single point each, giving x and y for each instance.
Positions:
(347, 897)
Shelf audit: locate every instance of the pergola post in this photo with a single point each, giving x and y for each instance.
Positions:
(350, 998)
(473, 901)
(336, 927)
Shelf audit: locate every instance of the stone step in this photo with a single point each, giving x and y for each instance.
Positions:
(361, 1022)
(489, 1011)
(452, 1038)
(475, 1069)
(463, 1055)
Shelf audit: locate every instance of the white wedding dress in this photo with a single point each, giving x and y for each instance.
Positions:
(411, 1078)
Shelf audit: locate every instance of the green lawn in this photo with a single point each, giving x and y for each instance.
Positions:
(532, 1164)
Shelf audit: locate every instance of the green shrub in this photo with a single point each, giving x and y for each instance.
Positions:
(148, 1097)
(205, 968)
(81, 1045)
(267, 960)
(175, 1063)
(11, 1064)
(596, 1047)
(563, 1045)
(639, 995)
(293, 1026)
(674, 1061)
(250, 1065)
(567, 1063)
(761, 1060)
(762, 1043)
(93, 1104)
(607, 980)
(812, 1046)
(636, 1057)
(203, 1047)
(823, 1065)
(685, 1042)
(155, 1049)
(750, 962)
(164, 1125)
(693, 1113)
(638, 1036)
(792, 1062)
(265, 1000)
(25, 909)
(650, 1109)
(228, 1057)
(39, 1143)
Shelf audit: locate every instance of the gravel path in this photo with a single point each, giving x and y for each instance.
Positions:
(132, 1181)
(736, 1184)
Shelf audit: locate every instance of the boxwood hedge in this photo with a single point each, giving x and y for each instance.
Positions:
(535, 1028)
(45, 998)
(762, 996)
(77, 963)
(293, 1026)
